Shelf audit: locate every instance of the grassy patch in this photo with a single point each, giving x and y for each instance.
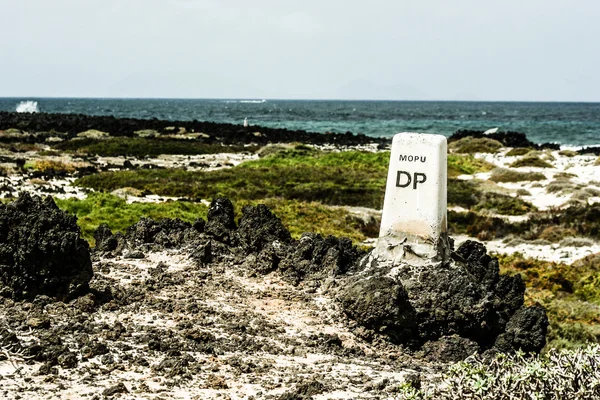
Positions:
(470, 145)
(567, 153)
(466, 165)
(51, 165)
(571, 295)
(531, 161)
(503, 204)
(297, 216)
(344, 178)
(114, 211)
(142, 147)
(510, 175)
(300, 217)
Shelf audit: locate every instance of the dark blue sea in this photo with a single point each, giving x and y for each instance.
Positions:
(570, 124)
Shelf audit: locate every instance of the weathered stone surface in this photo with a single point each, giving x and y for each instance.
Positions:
(317, 257)
(382, 304)
(259, 227)
(41, 251)
(459, 302)
(525, 331)
(220, 220)
(449, 349)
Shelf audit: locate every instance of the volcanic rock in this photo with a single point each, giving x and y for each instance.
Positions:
(220, 221)
(464, 303)
(510, 139)
(41, 251)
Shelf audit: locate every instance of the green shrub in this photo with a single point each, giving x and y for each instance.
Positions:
(466, 165)
(509, 175)
(470, 145)
(531, 161)
(555, 234)
(503, 204)
(567, 153)
(518, 151)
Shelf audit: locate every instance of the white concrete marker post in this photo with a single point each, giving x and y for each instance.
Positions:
(414, 225)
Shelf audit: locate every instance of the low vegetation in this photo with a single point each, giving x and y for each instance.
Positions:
(511, 175)
(555, 375)
(103, 208)
(518, 151)
(345, 178)
(531, 161)
(52, 165)
(470, 145)
(466, 165)
(146, 147)
(297, 216)
(570, 294)
(567, 153)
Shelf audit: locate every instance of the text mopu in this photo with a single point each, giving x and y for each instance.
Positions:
(412, 158)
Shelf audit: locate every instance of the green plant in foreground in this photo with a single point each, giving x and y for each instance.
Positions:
(570, 294)
(556, 375)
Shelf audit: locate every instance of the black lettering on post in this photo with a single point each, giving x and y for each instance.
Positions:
(402, 157)
(417, 180)
(423, 158)
(399, 179)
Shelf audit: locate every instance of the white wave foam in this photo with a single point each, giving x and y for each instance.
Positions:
(27, 107)
(253, 101)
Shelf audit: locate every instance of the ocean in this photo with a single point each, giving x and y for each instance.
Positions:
(569, 124)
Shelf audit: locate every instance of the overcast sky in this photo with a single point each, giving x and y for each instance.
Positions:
(538, 50)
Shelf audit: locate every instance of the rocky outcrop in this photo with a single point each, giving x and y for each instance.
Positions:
(509, 138)
(446, 311)
(462, 302)
(41, 251)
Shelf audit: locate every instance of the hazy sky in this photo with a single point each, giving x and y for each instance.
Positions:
(369, 49)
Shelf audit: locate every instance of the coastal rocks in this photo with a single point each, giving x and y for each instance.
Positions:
(220, 220)
(41, 251)
(206, 132)
(509, 139)
(382, 304)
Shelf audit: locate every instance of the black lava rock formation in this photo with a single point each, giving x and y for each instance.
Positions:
(510, 139)
(430, 307)
(72, 124)
(446, 312)
(41, 251)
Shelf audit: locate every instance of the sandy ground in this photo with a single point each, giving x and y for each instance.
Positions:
(221, 334)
